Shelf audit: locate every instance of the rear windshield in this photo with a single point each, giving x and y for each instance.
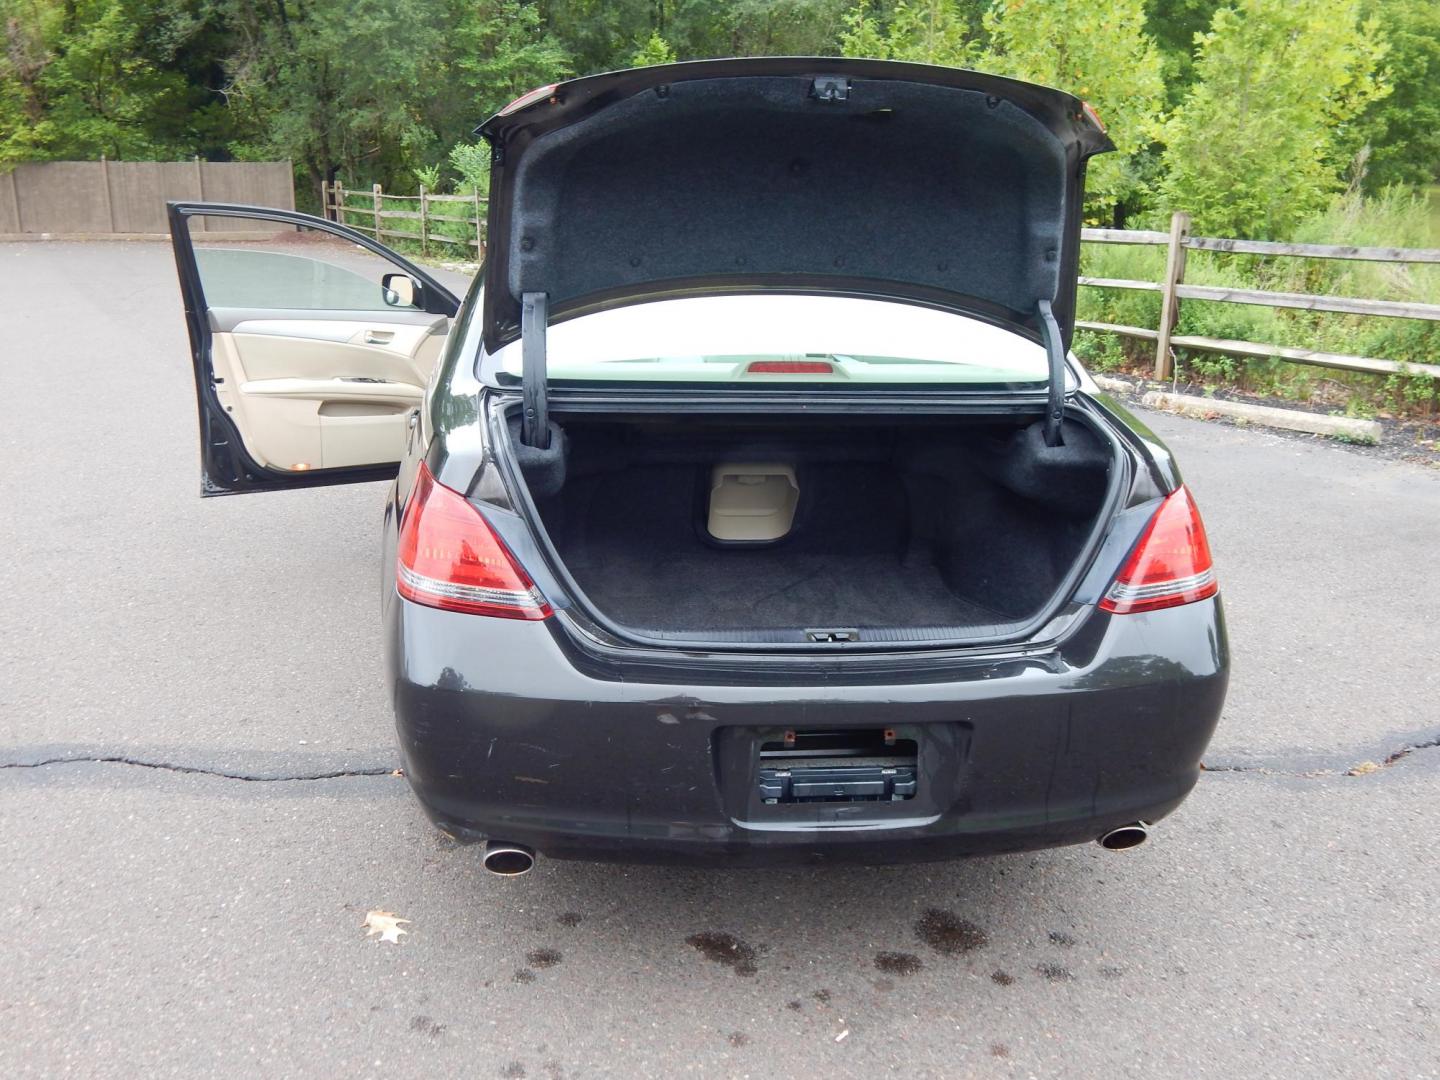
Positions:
(781, 338)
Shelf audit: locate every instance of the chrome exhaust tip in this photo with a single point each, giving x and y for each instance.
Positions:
(1126, 836)
(507, 859)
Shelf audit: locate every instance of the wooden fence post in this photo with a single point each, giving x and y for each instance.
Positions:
(337, 197)
(200, 187)
(105, 181)
(423, 249)
(1169, 302)
(15, 199)
(375, 195)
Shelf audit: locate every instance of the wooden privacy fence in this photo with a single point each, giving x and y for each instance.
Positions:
(79, 198)
(417, 221)
(1172, 290)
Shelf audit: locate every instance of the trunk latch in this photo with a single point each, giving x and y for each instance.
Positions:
(832, 637)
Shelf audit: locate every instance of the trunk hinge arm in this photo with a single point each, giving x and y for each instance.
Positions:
(535, 418)
(1055, 353)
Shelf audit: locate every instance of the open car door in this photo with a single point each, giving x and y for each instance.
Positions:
(312, 345)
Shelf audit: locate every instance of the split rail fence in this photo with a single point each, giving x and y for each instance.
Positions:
(416, 222)
(1172, 289)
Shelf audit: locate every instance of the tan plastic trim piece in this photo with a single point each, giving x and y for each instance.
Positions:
(752, 502)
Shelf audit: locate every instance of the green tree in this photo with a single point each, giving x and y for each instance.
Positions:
(925, 31)
(757, 27)
(1261, 139)
(1099, 51)
(379, 88)
(655, 50)
(601, 35)
(1403, 129)
(1175, 24)
(81, 78)
(502, 49)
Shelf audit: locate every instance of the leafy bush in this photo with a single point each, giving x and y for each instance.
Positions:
(471, 162)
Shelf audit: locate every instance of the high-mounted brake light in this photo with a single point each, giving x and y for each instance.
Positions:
(790, 367)
(540, 93)
(1091, 112)
(449, 557)
(1171, 564)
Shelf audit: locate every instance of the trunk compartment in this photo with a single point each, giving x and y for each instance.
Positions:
(906, 530)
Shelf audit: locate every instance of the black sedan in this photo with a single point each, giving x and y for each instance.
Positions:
(750, 508)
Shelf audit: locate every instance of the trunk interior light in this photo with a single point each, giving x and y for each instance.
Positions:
(448, 557)
(1171, 565)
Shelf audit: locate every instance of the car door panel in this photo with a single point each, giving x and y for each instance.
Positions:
(312, 394)
(308, 375)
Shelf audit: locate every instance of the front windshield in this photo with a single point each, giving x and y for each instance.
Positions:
(772, 337)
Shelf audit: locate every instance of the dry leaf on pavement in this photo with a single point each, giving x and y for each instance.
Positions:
(384, 923)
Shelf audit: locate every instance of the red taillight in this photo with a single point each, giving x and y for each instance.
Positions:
(449, 557)
(530, 97)
(1170, 565)
(790, 367)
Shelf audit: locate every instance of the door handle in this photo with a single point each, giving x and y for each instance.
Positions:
(379, 337)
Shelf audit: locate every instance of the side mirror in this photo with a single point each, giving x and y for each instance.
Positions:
(401, 290)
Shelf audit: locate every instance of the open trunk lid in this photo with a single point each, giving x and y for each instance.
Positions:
(932, 185)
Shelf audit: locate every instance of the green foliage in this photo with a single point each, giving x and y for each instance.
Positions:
(1100, 352)
(1174, 24)
(1404, 128)
(498, 50)
(1260, 139)
(655, 50)
(1098, 51)
(331, 85)
(1396, 217)
(704, 28)
(926, 31)
(89, 77)
(471, 162)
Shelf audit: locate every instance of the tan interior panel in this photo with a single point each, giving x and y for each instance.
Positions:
(752, 502)
(324, 394)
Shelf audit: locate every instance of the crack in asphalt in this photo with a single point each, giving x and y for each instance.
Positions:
(165, 766)
(1364, 768)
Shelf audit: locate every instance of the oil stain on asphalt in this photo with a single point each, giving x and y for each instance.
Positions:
(948, 934)
(898, 963)
(1054, 972)
(543, 958)
(426, 1026)
(721, 948)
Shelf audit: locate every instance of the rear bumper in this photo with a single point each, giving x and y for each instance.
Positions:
(503, 736)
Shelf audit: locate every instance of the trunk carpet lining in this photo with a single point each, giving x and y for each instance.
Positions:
(634, 544)
(753, 589)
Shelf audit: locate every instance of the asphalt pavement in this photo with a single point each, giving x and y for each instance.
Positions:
(197, 808)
